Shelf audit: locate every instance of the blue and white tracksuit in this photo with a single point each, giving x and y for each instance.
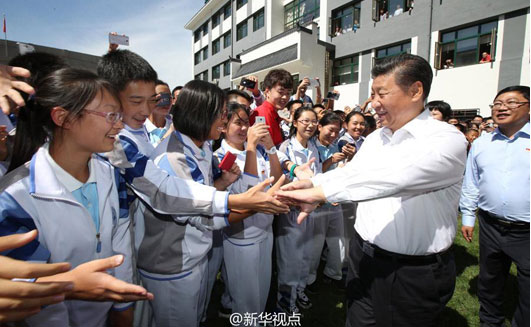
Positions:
(155, 133)
(248, 244)
(329, 227)
(32, 197)
(172, 257)
(293, 242)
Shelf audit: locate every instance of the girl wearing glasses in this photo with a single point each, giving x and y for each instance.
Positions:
(67, 192)
(294, 242)
(248, 243)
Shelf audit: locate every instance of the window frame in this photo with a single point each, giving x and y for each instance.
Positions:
(401, 44)
(216, 68)
(216, 22)
(256, 18)
(354, 73)
(238, 37)
(197, 57)
(295, 8)
(204, 28)
(229, 35)
(205, 53)
(216, 49)
(356, 7)
(227, 10)
(493, 32)
(197, 35)
(240, 3)
(225, 65)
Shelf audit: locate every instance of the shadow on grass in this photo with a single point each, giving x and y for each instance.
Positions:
(452, 318)
(463, 259)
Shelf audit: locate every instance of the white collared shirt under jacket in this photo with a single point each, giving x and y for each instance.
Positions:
(407, 184)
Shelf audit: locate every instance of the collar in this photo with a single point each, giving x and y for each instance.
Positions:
(199, 153)
(296, 145)
(523, 130)
(234, 151)
(70, 182)
(140, 131)
(150, 127)
(414, 127)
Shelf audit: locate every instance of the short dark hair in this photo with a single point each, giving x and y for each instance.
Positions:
(475, 116)
(318, 105)
(177, 88)
(370, 122)
(239, 93)
(523, 90)
(408, 69)
(292, 102)
(443, 107)
(352, 114)
(197, 107)
(120, 67)
(330, 118)
(40, 64)
(278, 76)
(161, 82)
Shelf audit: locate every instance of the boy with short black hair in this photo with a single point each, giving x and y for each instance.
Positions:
(278, 85)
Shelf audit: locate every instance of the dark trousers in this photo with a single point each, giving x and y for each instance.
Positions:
(499, 245)
(395, 290)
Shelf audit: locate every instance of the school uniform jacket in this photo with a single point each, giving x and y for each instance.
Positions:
(33, 198)
(255, 228)
(175, 244)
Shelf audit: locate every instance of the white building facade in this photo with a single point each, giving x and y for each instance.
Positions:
(339, 41)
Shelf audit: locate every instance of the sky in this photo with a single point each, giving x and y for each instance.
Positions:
(155, 29)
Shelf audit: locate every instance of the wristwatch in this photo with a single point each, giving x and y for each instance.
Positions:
(273, 150)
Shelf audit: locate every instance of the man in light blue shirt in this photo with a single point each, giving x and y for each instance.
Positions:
(497, 183)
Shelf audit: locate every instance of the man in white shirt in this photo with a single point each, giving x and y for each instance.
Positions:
(398, 11)
(407, 179)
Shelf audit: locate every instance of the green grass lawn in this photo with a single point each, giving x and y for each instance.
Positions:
(329, 309)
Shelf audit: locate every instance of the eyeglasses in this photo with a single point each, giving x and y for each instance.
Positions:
(509, 105)
(308, 122)
(110, 117)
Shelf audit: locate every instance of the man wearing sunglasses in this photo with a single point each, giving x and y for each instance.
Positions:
(497, 184)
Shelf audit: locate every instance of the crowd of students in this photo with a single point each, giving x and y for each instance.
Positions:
(114, 163)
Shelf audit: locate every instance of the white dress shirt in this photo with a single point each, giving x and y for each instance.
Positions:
(408, 185)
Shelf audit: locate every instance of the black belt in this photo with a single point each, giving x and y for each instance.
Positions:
(503, 222)
(374, 251)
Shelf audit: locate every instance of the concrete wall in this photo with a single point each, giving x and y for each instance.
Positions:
(513, 48)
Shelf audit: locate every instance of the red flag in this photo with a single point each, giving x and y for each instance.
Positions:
(5, 29)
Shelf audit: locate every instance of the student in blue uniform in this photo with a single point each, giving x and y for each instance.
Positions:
(294, 244)
(329, 226)
(247, 245)
(69, 194)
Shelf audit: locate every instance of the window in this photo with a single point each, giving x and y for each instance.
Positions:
(216, 19)
(466, 46)
(226, 68)
(241, 30)
(204, 75)
(240, 3)
(227, 10)
(197, 35)
(346, 70)
(197, 57)
(227, 39)
(216, 45)
(205, 52)
(300, 11)
(258, 20)
(198, 76)
(383, 9)
(205, 28)
(215, 72)
(346, 19)
(391, 51)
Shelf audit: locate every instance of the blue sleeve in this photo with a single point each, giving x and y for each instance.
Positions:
(15, 220)
(470, 189)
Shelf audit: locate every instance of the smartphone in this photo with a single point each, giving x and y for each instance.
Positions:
(342, 143)
(164, 100)
(314, 83)
(248, 83)
(259, 119)
(228, 161)
(118, 39)
(332, 95)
